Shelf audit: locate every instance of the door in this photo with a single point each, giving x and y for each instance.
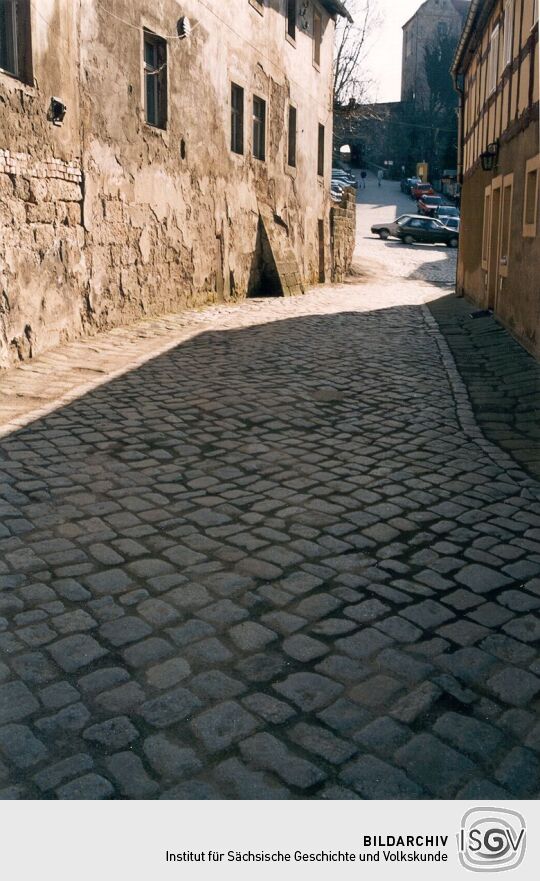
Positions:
(322, 268)
(494, 239)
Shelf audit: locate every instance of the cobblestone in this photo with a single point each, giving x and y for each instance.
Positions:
(300, 571)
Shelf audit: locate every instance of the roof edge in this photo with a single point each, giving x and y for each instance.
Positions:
(479, 11)
(338, 8)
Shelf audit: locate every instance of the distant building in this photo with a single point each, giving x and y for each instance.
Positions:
(435, 19)
(496, 69)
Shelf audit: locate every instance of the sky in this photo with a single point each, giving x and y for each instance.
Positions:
(384, 60)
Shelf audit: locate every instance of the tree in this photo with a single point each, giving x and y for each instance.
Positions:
(351, 82)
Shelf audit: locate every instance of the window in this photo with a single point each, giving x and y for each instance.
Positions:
(530, 207)
(320, 152)
(15, 43)
(493, 61)
(291, 19)
(317, 38)
(442, 29)
(508, 31)
(259, 128)
(291, 150)
(155, 80)
(237, 119)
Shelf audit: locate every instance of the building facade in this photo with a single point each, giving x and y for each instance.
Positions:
(155, 156)
(433, 21)
(496, 69)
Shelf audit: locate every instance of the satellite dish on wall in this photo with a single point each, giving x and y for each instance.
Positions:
(184, 26)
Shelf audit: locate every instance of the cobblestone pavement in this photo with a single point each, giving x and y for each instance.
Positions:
(278, 560)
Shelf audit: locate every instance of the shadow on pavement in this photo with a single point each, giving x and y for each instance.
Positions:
(238, 572)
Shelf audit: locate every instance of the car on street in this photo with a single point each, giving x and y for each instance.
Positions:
(427, 230)
(444, 211)
(386, 230)
(409, 182)
(428, 205)
(451, 222)
(346, 176)
(421, 189)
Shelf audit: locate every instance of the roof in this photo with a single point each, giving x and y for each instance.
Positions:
(337, 7)
(478, 15)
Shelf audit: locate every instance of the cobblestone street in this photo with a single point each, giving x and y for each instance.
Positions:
(266, 551)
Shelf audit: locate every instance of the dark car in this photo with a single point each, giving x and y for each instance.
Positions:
(429, 205)
(385, 230)
(427, 230)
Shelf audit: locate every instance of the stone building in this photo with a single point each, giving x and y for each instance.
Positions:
(435, 19)
(155, 156)
(497, 70)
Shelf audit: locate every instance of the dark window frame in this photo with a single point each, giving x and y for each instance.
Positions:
(290, 19)
(155, 66)
(16, 40)
(292, 136)
(237, 119)
(259, 128)
(321, 158)
(317, 38)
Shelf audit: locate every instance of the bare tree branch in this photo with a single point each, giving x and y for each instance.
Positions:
(351, 82)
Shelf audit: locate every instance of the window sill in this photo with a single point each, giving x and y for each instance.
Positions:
(16, 82)
(317, 66)
(291, 170)
(290, 40)
(257, 6)
(156, 131)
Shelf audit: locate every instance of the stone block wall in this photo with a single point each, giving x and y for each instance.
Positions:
(43, 274)
(343, 234)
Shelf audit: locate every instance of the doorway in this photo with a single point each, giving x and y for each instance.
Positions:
(494, 239)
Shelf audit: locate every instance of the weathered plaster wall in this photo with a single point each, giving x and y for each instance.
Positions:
(343, 235)
(42, 267)
(155, 220)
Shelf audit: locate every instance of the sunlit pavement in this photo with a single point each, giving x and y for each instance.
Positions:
(268, 552)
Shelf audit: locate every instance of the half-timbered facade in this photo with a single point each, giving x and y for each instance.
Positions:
(496, 71)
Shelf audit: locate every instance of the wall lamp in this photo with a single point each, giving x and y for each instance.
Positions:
(490, 157)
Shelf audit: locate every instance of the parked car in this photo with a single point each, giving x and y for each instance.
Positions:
(385, 230)
(421, 189)
(428, 205)
(345, 176)
(444, 211)
(409, 182)
(427, 230)
(451, 222)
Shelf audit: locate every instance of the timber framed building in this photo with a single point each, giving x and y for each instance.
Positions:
(496, 70)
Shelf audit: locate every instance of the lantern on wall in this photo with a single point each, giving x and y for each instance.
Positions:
(490, 156)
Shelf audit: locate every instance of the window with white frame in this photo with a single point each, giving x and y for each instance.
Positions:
(508, 32)
(15, 42)
(493, 61)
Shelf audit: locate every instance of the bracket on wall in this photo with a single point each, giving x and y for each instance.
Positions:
(57, 111)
